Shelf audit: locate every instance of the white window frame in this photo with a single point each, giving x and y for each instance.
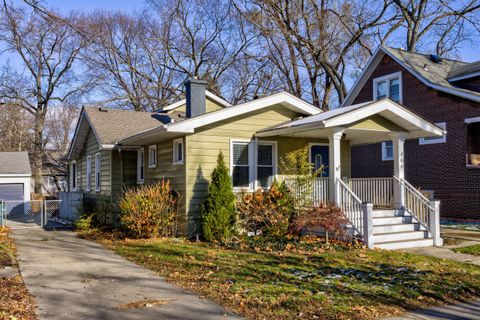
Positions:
(88, 186)
(386, 78)
(140, 166)
(385, 157)
(152, 156)
(251, 160)
(274, 160)
(73, 177)
(442, 139)
(178, 143)
(98, 172)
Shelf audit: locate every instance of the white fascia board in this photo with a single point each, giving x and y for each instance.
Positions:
(364, 76)
(287, 100)
(16, 175)
(82, 116)
(464, 76)
(379, 106)
(107, 146)
(141, 135)
(472, 120)
(175, 105)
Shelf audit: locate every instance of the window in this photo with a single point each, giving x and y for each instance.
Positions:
(178, 151)
(89, 173)
(73, 175)
(98, 165)
(253, 166)
(152, 156)
(388, 86)
(240, 161)
(387, 150)
(265, 164)
(432, 140)
(140, 166)
(473, 143)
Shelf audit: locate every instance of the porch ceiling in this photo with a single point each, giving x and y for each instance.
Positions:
(363, 123)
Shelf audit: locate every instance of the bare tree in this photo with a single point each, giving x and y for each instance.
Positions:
(312, 41)
(15, 129)
(445, 24)
(59, 126)
(47, 50)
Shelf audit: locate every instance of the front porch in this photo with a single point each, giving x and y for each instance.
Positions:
(384, 212)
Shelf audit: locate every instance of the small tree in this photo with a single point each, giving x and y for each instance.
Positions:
(296, 164)
(218, 209)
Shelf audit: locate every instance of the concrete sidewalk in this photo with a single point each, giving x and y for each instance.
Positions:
(72, 278)
(461, 311)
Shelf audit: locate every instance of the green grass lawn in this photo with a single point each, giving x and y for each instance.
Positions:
(305, 280)
(474, 249)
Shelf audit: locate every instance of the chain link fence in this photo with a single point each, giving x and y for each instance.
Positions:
(24, 214)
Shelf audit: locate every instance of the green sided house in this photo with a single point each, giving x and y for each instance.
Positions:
(113, 149)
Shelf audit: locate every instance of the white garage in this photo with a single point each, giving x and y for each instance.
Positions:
(15, 175)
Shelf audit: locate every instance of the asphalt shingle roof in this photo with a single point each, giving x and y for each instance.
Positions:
(112, 125)
(14, 163)
(435, 73)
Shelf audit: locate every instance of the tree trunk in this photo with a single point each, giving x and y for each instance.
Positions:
(37, 155)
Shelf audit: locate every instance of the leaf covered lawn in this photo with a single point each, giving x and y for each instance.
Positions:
(473, 249)
(305, 279)
(15, 301)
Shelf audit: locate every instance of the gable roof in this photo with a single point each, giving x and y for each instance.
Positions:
(413, 125)
(284, 99)
(110, 125)
(466, 71)
(14, 163)
(432, 74)
(208, 94)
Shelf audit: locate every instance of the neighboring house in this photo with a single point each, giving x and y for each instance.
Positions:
(445, 92)
(113, 149)
(15, 175)
(54, 177)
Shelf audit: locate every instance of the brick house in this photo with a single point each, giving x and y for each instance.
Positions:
(445, 92)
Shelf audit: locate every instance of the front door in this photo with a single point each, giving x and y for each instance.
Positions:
(319, 157)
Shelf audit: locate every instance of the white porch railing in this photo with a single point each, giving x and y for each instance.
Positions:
(311, 193)
(352, 207)
(378, 191)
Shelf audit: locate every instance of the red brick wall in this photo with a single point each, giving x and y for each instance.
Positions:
(438, 167)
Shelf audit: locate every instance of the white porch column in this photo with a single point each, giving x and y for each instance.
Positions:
(334, 164)
(398, 140)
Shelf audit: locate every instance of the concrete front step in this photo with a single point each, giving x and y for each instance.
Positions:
(401, 227)
(393, 245)
(380, 221)
(399, 236)
(382, 213)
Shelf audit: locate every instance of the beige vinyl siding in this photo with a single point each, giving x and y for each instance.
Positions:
(91, 147)
(126, 171)
(376, 123)
(203, 147)
(210, 106)
(165, 169)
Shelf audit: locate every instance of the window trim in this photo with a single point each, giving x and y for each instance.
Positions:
(98, 172)
(177, 142)
(155, 158)
(442, 139)
(251, 159)
(140, 166)
(274, 145)
(384, 152)
(387, 78)
(88, 175)
(73, 177)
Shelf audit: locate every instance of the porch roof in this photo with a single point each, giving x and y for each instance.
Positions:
(368, 122)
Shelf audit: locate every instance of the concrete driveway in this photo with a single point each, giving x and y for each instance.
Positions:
(72, 278)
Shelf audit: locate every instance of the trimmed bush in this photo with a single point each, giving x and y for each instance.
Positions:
(150, 211)
(218, 209)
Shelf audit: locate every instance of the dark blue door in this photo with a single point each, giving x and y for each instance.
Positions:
(319, 157)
